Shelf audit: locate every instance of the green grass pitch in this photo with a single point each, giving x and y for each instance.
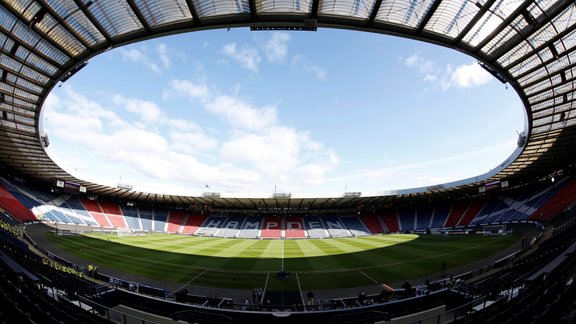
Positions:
(312, 263)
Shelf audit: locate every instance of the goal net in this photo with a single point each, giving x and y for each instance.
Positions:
(500, 229)
(124, 232)
(129, 232)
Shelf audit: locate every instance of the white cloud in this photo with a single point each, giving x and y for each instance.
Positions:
(192, 142)
(258, 139)
(315, 173)
(273, 151)
(463, 76)
(241, 114)
(467, 76)
(254, 152)
(419, 63)
(148, 111)
(137, 56)
(84, 114)
(430, 78)
(186, 88)
(307, 66)
(247, 56)
(182, 125)
(277, 47)
(162, 51)
(238, 113)
(141, 55)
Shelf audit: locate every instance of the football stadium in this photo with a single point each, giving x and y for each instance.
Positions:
(498, 247)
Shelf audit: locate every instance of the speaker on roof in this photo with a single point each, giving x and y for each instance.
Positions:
(310, 23)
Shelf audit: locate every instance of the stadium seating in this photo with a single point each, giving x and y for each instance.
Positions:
(175, 220)
(146, 219)
(456, 213)
(211, 225)
(390, 219)
(499, 207)
(13, 206)
(315, 227)
(563, 198)
(272, 227)
(160, 222)
(131, 216)
(372, 222)
(406, 218)
(192, 223)
(335, 227)
(494, 206)
(440, 215)
(355, 225)
(424, 216)
(294, 227)
(251, 227)
(73, 204)
(545, 193)
(114, 213)
(65, 218)
(231, 226)
(94, 209)
(471, 212)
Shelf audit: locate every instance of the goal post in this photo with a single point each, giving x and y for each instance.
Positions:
(124, 232)
(129, 232)
(496, 229)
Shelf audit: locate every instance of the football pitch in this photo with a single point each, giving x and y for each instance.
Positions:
(311, 263)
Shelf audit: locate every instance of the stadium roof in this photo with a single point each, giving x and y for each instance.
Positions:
(529, 45)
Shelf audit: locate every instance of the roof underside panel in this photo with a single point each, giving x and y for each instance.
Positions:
(406, 13)
(350, 8)
(451, 17)
(284, 6)
(164, 12)
(210, 8)
(75, 19)
(116, 17)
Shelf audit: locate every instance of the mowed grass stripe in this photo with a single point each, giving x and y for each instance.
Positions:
(326, 263)
(332, 258)
(244, 249)
(363, 244)
(126, 258)
(298, 248)
(152, 242)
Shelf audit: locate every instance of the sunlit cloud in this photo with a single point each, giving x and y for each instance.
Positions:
(241, 114)
(148, 111)
(221, 119)
(462, 76)
(466, 76)
(422, 65)
(256, 150)
(156, 61)
(247, 56)
(277, 47)
(162, 51)
(307, 66)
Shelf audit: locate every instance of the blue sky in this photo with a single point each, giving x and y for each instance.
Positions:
(251, 113)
